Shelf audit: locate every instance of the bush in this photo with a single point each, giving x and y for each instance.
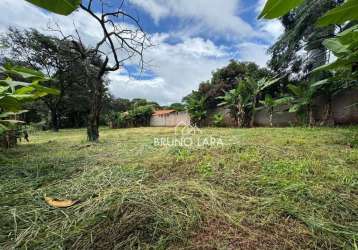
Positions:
(218, 120)
(137, 117)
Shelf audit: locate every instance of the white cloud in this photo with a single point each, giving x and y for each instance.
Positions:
(253, 52)
(179, 69)
(204, 16)
(122, 85)
(272, 28)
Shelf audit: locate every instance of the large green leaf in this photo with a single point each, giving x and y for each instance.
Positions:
(24, 97)
(62, 7)
(348, 11)
(349, 38)
(26, 73)
(9, 103)
(295, 108)
(44, 90)
(7, 114)
(266, 84)
(13, 84)
(335, 45)
(4, 89)
(277, 8)
(338, 64)
(12, 121)
(24, 90)
(297, 91)
(320, 83)
(283, 100)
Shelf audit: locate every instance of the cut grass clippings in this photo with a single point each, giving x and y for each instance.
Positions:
(265, 188)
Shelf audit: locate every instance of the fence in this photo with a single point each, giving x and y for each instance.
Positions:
(344, 111)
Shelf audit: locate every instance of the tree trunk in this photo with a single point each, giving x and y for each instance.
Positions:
(252, 121)
(92, 127)
(328, 118)
(271, 118)
(55, 120)
(237, 120)
(95, 111)
(311, 121)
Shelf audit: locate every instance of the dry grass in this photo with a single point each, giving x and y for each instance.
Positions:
(291, 188)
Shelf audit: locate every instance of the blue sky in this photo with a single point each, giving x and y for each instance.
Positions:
(192, 38)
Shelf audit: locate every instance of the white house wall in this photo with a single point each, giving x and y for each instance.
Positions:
(170, 120)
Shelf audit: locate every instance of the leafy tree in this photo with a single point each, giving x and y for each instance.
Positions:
(243, 99)
(137, 102)
(345, 47)
(226, 78)
(345, 12)
(124, 43)
(177, 107)
(135, 117)
(54, 57)
(140, 115)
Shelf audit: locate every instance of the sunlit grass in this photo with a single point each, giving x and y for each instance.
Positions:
(264, 188)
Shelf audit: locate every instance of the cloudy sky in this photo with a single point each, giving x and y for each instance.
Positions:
(191, 37)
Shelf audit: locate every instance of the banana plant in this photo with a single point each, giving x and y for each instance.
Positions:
(301, 99)
(270, 104)
(256, 88)
(239, 102)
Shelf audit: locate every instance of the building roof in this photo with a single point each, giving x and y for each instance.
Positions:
(164, 112)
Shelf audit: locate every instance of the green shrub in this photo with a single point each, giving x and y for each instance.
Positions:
(218, 120)
(136, 117)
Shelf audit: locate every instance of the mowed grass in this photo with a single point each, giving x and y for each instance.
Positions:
(279, 188)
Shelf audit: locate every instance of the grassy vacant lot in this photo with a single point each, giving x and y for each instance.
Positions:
(292, 188)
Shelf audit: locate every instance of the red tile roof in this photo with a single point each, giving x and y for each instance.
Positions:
(164, 112)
